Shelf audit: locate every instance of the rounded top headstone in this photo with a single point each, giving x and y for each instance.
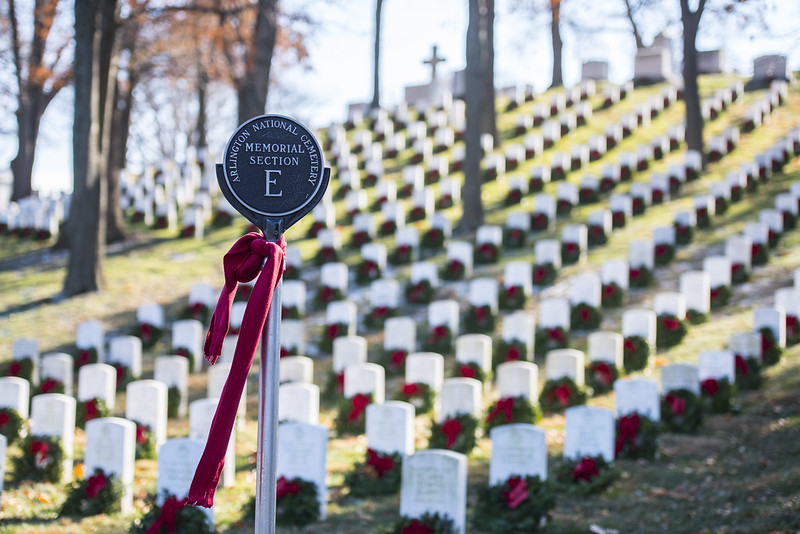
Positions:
(273, 166)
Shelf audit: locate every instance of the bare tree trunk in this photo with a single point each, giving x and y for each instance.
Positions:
(22, 164)
(201, 130)
(558, 44)
(472, 215)
(489, 115)
(95, 72)
(253, 87)
(691, 94)
(376, 58)
(117, 157)
(636, 35)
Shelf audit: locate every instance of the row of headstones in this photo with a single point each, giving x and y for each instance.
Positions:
(34, 216)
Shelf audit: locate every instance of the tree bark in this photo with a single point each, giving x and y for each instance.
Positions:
(691, 93)
(634, 27)
(28, 120)
(253, 87)
(472, 215)
(117, 157)
(558, 44)
(489, 115)
(376, 58)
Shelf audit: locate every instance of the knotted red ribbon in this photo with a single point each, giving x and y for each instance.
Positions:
(585, 470)
(451, 428)
(39, 449)
(141, 434)
(602, 373)
(504, 406)
(14, 369)
(381, 464)
(4, 419)
(563, 394)
(91, 410)
(517, 491)
(417, 527)
(242, 263)
(467, 371)
(676, 404)
(710, 386)
(168, 515)
(359, 403)
(95, 485)
(49, 385)
(741, 365)
(285, 487)
(512, 354)
(410, 389)
(628, 428)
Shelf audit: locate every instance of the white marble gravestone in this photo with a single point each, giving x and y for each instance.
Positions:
(670, 303)
(293, 335)
(97, 381)
(475, 348)
(296, 369)
(385, 292)
(425, 368)
(425, 270)
(435, 481)
(518, 449)
(298, 401)
(637, 395)
(111, 446)
(146, 404)
(27, 348)
(174, 372)
(365, 378)
(518, 379)
(585, 288)
(589, 431)
(390, 428)
(150, 313)
(347, 351)
(58, 366)
(716, 364)
(302, 453)
(15, 393)
(53, 414)
(177, 463)
(91, 335)
(461, 251)
(460, 396)
(773, 318)
(676, 376)
(400, 333)
(188, 334)
(745, 344)
(201, 414)
(554, 312)
(640, 322)
(127, 351)
(444, 313)
(520, 325)
(293, 294)
(569, 363)
(695, 286)
(718, 269)
(616, 271)
(606, 347)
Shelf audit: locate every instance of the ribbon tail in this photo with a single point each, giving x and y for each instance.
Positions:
(218, 327)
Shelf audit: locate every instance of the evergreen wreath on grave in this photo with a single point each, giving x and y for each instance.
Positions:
(618, 219)
(148, 333)
(772, 240)
(513, 197)
(379, 474)
(20, 368)
(98, 494)
(657, 196)
(291, 312)
(186, 353)
(195, 310)
(570, 253)
(453, 270)
(509, 410)
(514, 237)
(402, 255)
(720, 205)
(439, 340)
(11, 424)
(172, 516)
(41, 460)
(640, 276)
(551, 338)
(377, 316)
(718, 395)
(417, 213)
(597, 235)
(326, 255)
(520, 504)
(681, 411)
(419, 395)
(760, 255)
(670, 330)
(173, 401)
(470, 370)
(600, 376)
(367, 271)
(696, 317)
(457, 434)
(331, 332)
(563, 205)
(486, 253)
(334, 385)
(588, 195)
(739, 273)
(663, 253)
(544, 274)
(427, 523)
(511, 297)
(635, 353)
(540, 221)
(145, 442)
(360, 237)
(748, 372)
(326, 295)
(297, 503)
(638, 206)
(387, 228)
(637, 437)
(221, 218)
(792, 332)
(394, 361)
(720, 296)
(560, 394)
(585, 476)
(187, 231)
(585, 317)
(508, 351)
(479, 319)
(683, 234)
(90, 409)
(124, 375)
(420, 292)
(445, 201)
(351, 417)
(315, 228)
(770, 350)
(84, 357)
(612, 295)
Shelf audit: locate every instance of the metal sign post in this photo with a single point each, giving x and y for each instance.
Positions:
(273, 173)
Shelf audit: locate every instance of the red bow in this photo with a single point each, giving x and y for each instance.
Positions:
(14, 369)
(517, 491)
(167, 516)
(676, 404)
(628, 428)
(4, 419)
(439, 331)
(766, 344)
(397, 357)
(340, 382)
(410, 389)
(359, 402)
(710, 386)
(333, 331)
(556, 334)
(563, 394)
(141, 434)
(451, 428)
(602, 373)
(741, 365)
(512, 353)
(83, 357)
(504, 405)
(585, 470)
(146, 331)
(49, 385)
(39, 449)
(670, 323)
(381, 464)
(585, 313)
(467, 371)
(286, 488)
(95, 484)
(415, 527)
(91, 410)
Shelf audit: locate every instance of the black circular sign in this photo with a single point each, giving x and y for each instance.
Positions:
(273, 165)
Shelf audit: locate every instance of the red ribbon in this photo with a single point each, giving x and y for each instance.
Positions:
(359, 402)
(381, 464)
(512, 354)
(91, 410)
(467, 371)
(285, 487)
(670, 323)
(39, 449)
(628, 428)
(14, 369)
(416, 527)
(49, 385)
(517, 491)
(4, 419)
(96, 483)
(451, 428)
(146, 331)
(741, 365)
(563, 394)
(167, 516)
(710, 386)
(602, 373)
(676, 404)
(504, 406)
(410, 390)
(397, 357)
(242, 263)
(585, 470)
(141, 434)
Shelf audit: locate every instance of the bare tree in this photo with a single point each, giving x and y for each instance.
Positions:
(41, 69)
(376, 58)
(558, 44)
(691, 94)
(489, 115)
(630, 11)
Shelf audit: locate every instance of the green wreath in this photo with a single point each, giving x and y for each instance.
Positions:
(486, 253)
(351, 417)
(90, 409)
(145, 442)
(636, 437)
(148, 333)
(379, 474)
(560, 394)
(681, 411)
(394, 361)
(326, 295)
(720, 296)
(683, 234)
(334, 385)
(291, 312)
(433, 239)
(548, 339)
(509, 410)
(439, 340)
(770, 350)
(509, 351)
(420, 292)
(419, 395)
(479, 320)
(597, 235)
(696, 317)
(520, 504)
(636, 353)
(187, 519)
(42, 459)
(326, 255)
(11, 424)
(471, 370)
(331, 332)
(748, 372)
(367, 271)
(20, 368)
(457, 434)
(544, 274)
(640, 276)
(50, 385)
(511, 297)
(514, 237)
(377, 316)
(585, 317)
(196, 310)
(428, 523)
(612, 295)
(600, 376)
(739, 273)
(297, 503)
(124, 375)
(718, 395)
(402, 255)
(570, 253)
(173, 402)
(663, 253)
(97, 494)
(670, 331)
(585, 476)
(453, 270)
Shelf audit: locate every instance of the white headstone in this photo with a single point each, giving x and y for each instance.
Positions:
(517, 450)
(676, 376)
(606, 347)
(365, 378)
(637, 395)
(640, 322)
(127, 351)
(589, 431)
(390, 428)
(435, 481)
(400, 333)
(298, 401)
(15, 394)
(177, 463)
(293, 335)
(58, 366)
(111, 446)
(296, 369)
(217, 375)
(444, 312)
(188, 334)
(53, 414)
(425, 368)
(518, 379)
(146, 404)
(460, 396)
(90, 335)
(773, 318)
(520, 325)
(97, 381)
(716, 364)
(302, 453)
(695, 286)
(554, 312)
(347, 351)
(174, 372)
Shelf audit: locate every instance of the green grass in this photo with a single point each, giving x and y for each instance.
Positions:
(738, 474)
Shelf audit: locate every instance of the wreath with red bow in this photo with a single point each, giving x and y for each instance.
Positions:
(612, 295)
(718, 395)
(635, 353)
(432, 239)
(479, 320)
(585, 476)
(486, 253)
(84, 357)
(377, 316)
(427, 523)
(20, 368)
(720, 296)
(514, 237)
(402, 255)
(90, 409)
(640, 276)
(331, 332)
(171, 516)
(520, 504)
(194, 310)
(145, 442)
(600, 376)
(550, 338)
(471, 370)
(351, 418)
(419, 395)
(11, 424)
(42, 459)
(439, 340)
(585, 317)
(748, 372)
(379, 474)
(637, 437)
(511, 298)
(420, 292)
(148, 333)
(770, 350)
(297, 503)
(509, 410)
(124, 375)
(453, 270)
(394, 361)
(100, 493)
(670, 331)
(367, 271)
(458, 433)
(681, 411)
(557, 395)
(544, 274)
